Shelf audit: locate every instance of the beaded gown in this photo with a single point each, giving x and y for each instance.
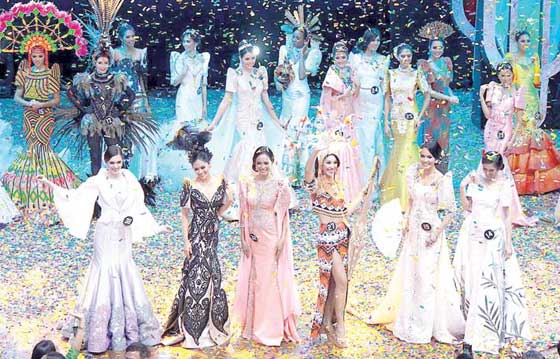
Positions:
(199, 313)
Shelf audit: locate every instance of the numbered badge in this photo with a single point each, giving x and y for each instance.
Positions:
(331, 226)
(253, 237)
(489, 234)
(501, 135)
(374, 90)
(426, 226)
(260, 126)
(409, 116)
(127, 221)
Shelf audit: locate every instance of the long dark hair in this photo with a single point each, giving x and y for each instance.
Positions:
(42, 348)
(434, 148)
(323, 161)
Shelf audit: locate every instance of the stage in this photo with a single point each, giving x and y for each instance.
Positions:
(42, 268)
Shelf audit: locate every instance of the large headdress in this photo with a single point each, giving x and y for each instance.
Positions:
(193, 141)
(297, 21)
(40, 25)
(436, 30)
(101, 18)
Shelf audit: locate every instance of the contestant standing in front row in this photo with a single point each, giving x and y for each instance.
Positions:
(113, 301)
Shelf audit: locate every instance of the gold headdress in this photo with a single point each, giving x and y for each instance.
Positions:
(436, 30)
(298, 22)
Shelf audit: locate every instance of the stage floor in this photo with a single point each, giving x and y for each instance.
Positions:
(42, 268)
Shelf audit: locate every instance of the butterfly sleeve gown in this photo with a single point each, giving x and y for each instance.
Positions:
(115, 306)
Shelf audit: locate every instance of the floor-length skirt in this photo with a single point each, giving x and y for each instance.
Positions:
(20, 180)
(493, 298)
(115, 305)
(404, 153)
(332, 237)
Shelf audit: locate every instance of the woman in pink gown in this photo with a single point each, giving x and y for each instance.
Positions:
(267, 302)
(337, 112)
(500, 102)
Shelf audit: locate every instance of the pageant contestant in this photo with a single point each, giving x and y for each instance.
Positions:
(370, 69)
(113, 301)
(327, 197)
(533, 159)
(297, 60)
(199, 316)
(421, 301)
(439, 74)
(267, 301)
(486, 270)
(38, 91)
(102, 99)
(133, 62)
(250, 87)
(189, 71)
(400, 104)
(501, 103)
(338, 116)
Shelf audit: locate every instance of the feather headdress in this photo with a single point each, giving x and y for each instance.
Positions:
(298, 21)
(436, 30)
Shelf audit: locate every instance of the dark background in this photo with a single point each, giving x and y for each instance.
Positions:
(223, 23)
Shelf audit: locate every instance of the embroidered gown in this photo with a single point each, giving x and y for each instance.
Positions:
(371, 74)
(492, 293)
(115, 306)
(534, 161)
(265, 282)
(144, 162)
(439, 74)
(20, 179)
(421, 301)
(295, 107)
(200, 310)
(402, 86)
(338, 120)
(498, 132)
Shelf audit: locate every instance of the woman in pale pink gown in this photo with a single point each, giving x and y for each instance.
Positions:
(336, 111)
(267, 302)
(500, 102)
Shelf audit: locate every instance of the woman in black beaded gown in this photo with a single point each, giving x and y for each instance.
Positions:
(199, 316)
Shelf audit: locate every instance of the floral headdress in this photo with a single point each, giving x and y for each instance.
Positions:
(436, 30)
(297, 21)
(40, 25)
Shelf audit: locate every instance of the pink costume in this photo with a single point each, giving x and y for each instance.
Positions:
(499, 131)
(337, 116)
(267, 302)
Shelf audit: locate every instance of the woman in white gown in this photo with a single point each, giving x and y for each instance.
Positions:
(113, 301)
(250, 87)
(8, 210)
(487, 273)
(421, 301)
(370, 71)
(189, 71)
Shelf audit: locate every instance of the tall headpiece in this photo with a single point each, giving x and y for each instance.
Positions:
(101, 19)
(38, 24)
(436, 30)
(297, 21)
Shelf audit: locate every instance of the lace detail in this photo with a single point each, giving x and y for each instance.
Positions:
(200, 294)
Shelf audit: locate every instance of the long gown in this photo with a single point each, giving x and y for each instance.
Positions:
(402, 85)
(295, 107)
(338, 120)
(371, 73)
(533, 159)
(233, 146)
(493, 298)
(173, 165)
(20, 180)
(439, 74)
(498, 132)
(115, 306)
(200, 310)
(421, 301)
(265, 282)
(144, 162)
